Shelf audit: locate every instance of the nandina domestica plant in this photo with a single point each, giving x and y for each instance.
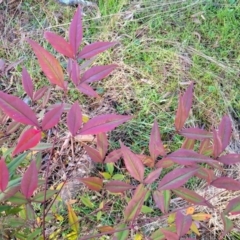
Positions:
(184, 163)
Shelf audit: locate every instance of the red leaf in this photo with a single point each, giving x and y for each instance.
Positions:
(170, 235)
(97, 73)
(226, 183)
(188, 144)
(113, 156)
(93, 154)
(134, 206)
(29, 139)
(153, 176)
(74, 118)
(118, 186)
(52, 117)
(76, 31)
(233, 206)
(229, 159)
(93, 183)
(59, 44)
(74, 71)
(217, 144)
(95, 48)
(162, 200)
(103, 123)
(86, 89)
(27, 83)
(195, 133)
(225, 131)
(4, 175)
(18, 110)
(49, 64)
(156, 147)
(102, 144)
(133, 164)
(29, 181)
(39, 93)
(176, 178)
(183, 223)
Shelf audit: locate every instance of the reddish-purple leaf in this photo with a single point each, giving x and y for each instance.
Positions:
(59, 44)
(191, 197)
(103, 123)
(74, 71)
(227, 225)
(76, 31)
(102, 144)
(113, 156)
(39, 93)
(170, 235)
(4, 175)
(188, 98)
(195, 133)
(27, 83)
(226, 183)
(225, 131)
(118, 186)
(18, 110)
(93, 154)
(183, 223)
(181, 115)
(217, 144)
(188, 144)
(229, 159)
(49, 64)
(162, 200)
(133, 164)
(93, 183)
(29, 181)
(95, 48)
(74, 118)
(134, 206)
(176, 178)
(233, 206)
(13, 127)
(164, 163)
(52, 117)
(153, 176)
(29, 139)
(86, 89)
(206, 147)
(156, 147)
(46, 98)
(206, 174)
(97, 73)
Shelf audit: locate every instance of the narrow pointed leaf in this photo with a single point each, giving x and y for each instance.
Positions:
(165, 163)
(183, 223)
(4, 175)
(93, 183)
(29, 181)
(153, 176)
(188, 98)
(86, 89)
(74, 71)
(18, 110)
(225, 131)
(102, 144)
(176, 178)
(181, 115)
(59, 44)
(12, 166)
(118, 186)
(76, 31)
(134, 206)
(73, 219)
(49, 64)
(158, 235)
(201, 217)
(133, 164)
(103, 123)
(95, 48)
(227, 225)
(188, 144)
(206, 174)
(39, 93)
(226, 183)
(27, 83)
(217, 144)
(156, 147)
(74, 118)
(18, 199)
(40, 197)
(13, 127)
(93, 154)
(29, 139)
(233, 206)
(170, 235)
(123, 235)
(97, 73)
(162, 200)
(229, 159)
(192, 197)
(113, 156)
(52, 117)
(206, 147)
(195, 133)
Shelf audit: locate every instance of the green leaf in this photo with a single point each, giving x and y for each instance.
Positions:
(15, 222)
(18, 198)
(34, 234)
(227, 223)
(106, 175)
(73, 219)
(16, 162)
(40, 196)
(118, 177)
(162, 199)
(123, 235)
(99, 215)
(86, 201)
(146, 209)
(110, 168)
(5, 208)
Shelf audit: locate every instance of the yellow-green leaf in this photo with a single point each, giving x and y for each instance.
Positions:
(86, 201)
(73, 219)
(146, 209)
